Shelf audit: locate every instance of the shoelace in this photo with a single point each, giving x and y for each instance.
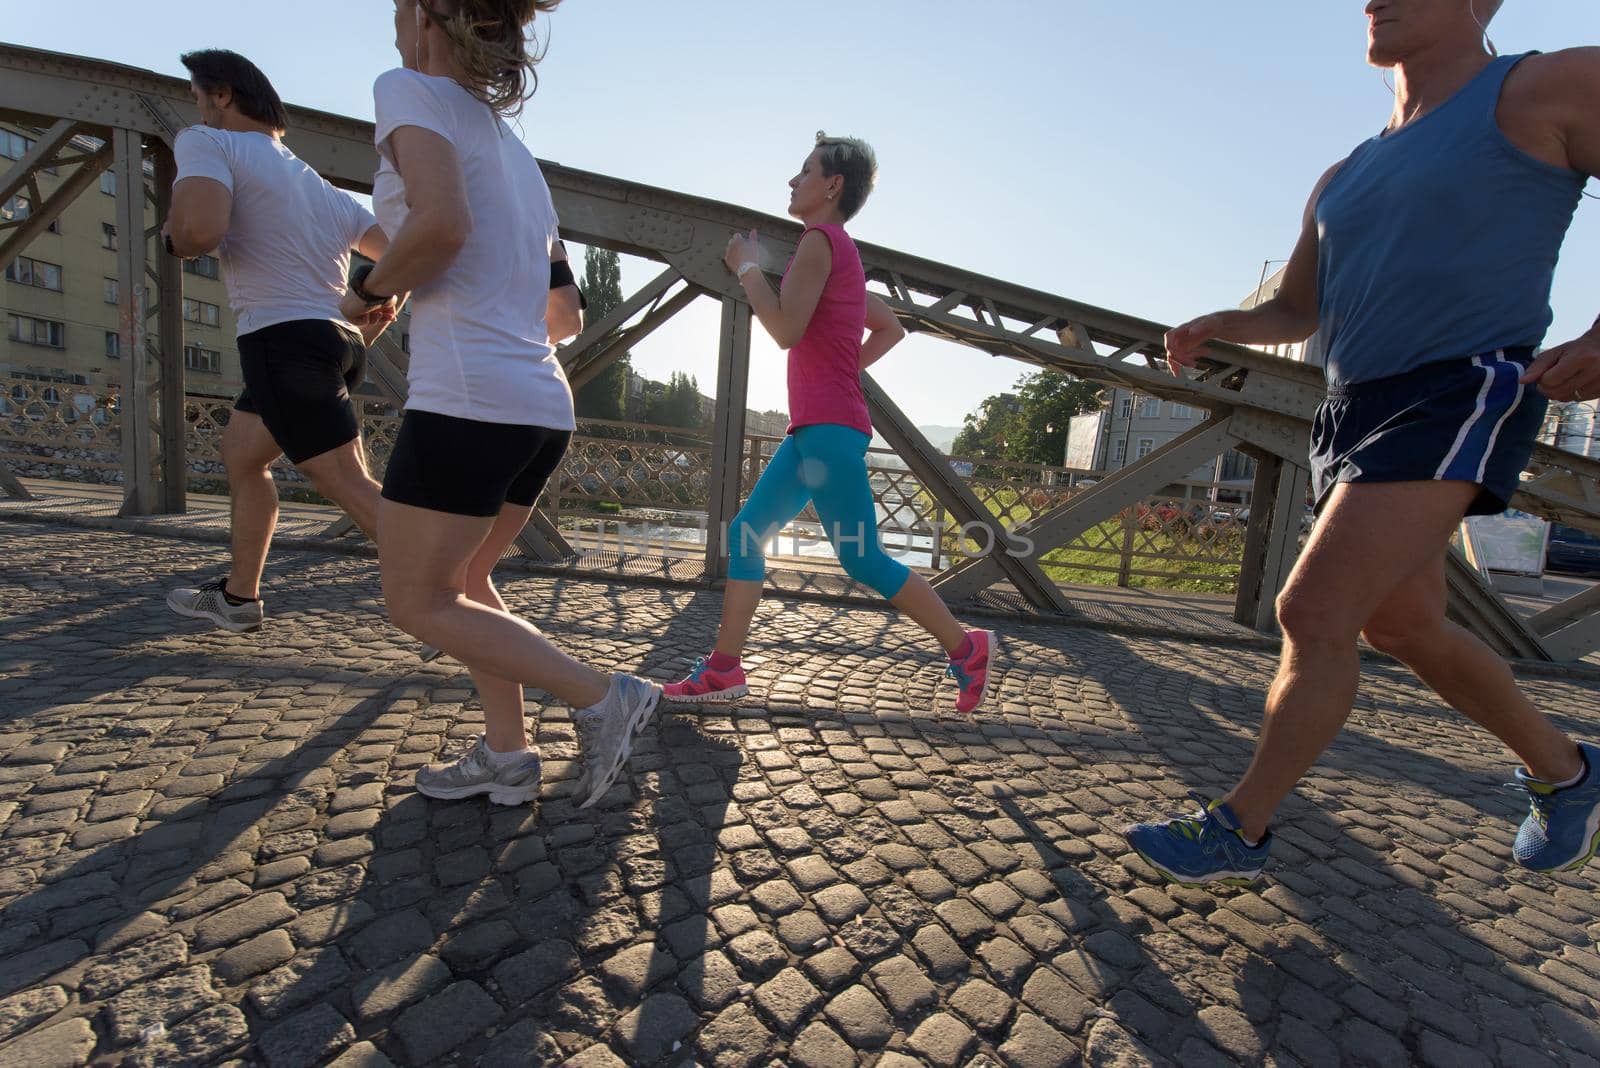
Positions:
(1205, 828)
(959, 673)
(700, 668)
(1541, 804)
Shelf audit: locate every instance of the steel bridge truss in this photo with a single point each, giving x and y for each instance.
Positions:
(1259, 404)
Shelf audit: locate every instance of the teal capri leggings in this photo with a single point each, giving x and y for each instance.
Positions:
(825, 464)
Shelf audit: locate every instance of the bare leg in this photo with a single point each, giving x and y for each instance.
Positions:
(423, 556)
(739, 601)
(341, 476)
(1384, 534)
(247, 452)
(1412, 627)
(505, 725)
(927, 609)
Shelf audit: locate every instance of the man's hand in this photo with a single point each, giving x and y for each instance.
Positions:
(1183, 342)
(742, 249)
(1569, 372)
(360, 314)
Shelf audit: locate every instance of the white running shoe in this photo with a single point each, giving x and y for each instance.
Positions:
(607, 730)
(206, 601)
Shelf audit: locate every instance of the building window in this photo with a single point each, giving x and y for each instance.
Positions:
(1181, 411)
(1126, 410)
(113, 345)
(108, 183)
(113, 291)
(108, 236)
(32, 272)
(196, 358)
(19, 208)
(1121, 456)
(204, 266)
(405, 343)
(198, 311)
(14, 145)
(31, 331)
(1150, 408)
(1146, 447)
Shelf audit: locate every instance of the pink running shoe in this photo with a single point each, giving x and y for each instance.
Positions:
(706, 684)
(971, 672)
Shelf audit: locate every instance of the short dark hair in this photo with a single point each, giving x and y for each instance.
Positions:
(854, 160)
(216, 69)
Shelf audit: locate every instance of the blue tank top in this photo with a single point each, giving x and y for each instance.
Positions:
(1439, 240)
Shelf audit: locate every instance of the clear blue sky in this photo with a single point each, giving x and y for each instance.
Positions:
(1145, 157)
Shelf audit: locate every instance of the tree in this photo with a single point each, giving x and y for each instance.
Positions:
(677, 405)
(1030, 425)
(606, 396)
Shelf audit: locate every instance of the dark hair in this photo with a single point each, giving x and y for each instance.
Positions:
(216, 69)
(493, 46)
(854, 160)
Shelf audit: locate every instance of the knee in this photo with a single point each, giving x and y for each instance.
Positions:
(1307, 619)
(1399, 635)
(411, 606)
(237, 460)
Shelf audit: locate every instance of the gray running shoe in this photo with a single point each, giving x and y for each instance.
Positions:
(475, 773)
(207, 602)
(606, 732)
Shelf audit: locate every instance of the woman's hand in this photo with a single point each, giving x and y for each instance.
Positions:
(742, 249)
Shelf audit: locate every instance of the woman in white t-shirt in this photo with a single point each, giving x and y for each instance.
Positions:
(489, 413)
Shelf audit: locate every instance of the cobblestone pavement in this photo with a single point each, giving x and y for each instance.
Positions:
(211, 852)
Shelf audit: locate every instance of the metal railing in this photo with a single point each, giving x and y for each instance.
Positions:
(632, 474)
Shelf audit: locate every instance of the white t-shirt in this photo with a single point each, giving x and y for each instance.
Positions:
(480, 348)
(287, 253)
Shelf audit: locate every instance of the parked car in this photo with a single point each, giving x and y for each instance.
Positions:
(1572, 550)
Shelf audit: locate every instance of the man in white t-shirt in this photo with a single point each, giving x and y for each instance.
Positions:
(285, 237)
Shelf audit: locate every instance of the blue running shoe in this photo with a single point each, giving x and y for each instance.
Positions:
(1203, 848)
(1562, 831)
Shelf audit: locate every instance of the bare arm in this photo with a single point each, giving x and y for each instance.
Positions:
(373, 244)
(1571, 371)
(884, 332)
(564, 313)
(438, 218)
(785, 313)
(199, 216)
(1291, 315)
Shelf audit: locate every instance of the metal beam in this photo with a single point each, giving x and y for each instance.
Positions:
(605, 340)
(1475, 605)
(44, 150)
(1272, 541)
(1093, 506)
(935, 474)
(174, 423)
(40, 216)
(11, 486)
(727, 434)
(1571, 629)
(139, 421)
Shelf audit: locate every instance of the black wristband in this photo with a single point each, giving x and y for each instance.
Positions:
(561, 276)
(167, 241)
(356, 286)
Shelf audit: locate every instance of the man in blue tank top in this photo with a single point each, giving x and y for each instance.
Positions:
(1426, 261)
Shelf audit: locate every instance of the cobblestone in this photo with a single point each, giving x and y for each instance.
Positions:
(219, 834)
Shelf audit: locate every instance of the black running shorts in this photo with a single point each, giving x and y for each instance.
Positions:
(469, 467)
(298, 377)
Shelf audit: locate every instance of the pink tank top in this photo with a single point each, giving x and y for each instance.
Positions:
(825, 364)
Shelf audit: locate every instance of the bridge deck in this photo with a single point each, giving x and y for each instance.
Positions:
(211, 847)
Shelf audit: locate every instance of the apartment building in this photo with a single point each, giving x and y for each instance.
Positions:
(60, 298)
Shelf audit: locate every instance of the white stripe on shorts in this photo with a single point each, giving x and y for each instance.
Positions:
(1477, 413)
(1488, 450)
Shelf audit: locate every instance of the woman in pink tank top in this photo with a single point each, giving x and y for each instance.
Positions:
(819, 314)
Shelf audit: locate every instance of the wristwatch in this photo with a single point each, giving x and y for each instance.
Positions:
(356, 286)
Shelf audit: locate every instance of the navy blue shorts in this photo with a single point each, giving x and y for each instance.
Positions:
(1453, 421)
